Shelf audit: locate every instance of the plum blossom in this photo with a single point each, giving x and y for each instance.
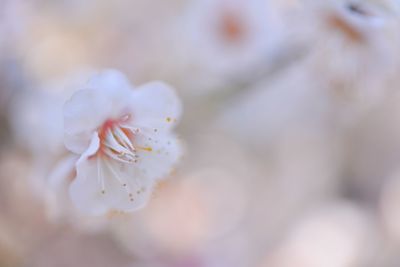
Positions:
(233, 35)
(125, 141)
(358, 38)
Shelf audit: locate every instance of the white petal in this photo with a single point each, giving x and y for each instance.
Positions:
(137, 191)
(155, 105)
(90, 196)
(157, 154)
(103, 184)
(92, 149)
(83, 114)
(85, 191)
(110, 80)
(88, 109)
(77, 143)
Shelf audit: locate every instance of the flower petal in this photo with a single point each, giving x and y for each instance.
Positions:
(92, 149)
(88, 109)
(103, 184)
(109, 81)
(85, 191)
(158, 153)
(83, 114)
(129, 189)
(155, 105)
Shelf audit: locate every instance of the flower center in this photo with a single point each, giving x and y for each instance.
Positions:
(231, 27)
(115, 142)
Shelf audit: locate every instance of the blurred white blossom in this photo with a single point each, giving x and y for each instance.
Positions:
(351, 48)
(224, 38)
(124, 139)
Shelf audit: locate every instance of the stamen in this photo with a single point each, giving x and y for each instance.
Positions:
(147, 148)
(121, 136)
(100, 177)
(113, 143)
(132, 129)
(118, 146)
(124, 158)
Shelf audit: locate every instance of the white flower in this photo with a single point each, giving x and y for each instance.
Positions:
(358, 38)
(233, 35)
(125, 140)
(351, 48)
